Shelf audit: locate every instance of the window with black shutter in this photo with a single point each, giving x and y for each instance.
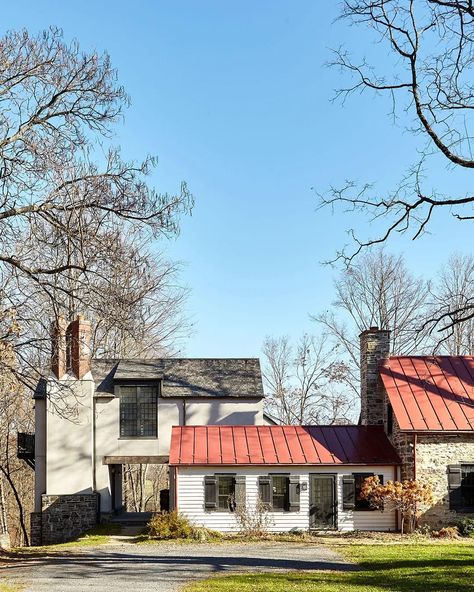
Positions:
(461, 487)
(138, 411)
(351, 491)
(280, 492)
(221, 492)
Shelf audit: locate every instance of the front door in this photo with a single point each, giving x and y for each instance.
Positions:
(322, 505)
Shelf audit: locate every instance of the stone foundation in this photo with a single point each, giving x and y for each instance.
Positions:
(63, 517)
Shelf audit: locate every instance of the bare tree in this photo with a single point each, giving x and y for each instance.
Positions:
(66, 196)
(451, 294)
(376, 290)
(305, 384)
(429, 77)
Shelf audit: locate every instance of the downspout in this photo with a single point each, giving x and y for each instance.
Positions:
(415, 439)
(93, 447)
(397, 515)
(184, 412)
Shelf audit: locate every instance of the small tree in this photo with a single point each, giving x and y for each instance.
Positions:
(253, 521)
(409, 497)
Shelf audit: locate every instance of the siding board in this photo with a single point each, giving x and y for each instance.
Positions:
(190, 490)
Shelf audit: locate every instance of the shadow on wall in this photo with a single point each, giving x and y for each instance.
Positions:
(217, 413)
(63, 518)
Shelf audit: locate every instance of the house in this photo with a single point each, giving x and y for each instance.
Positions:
(93, 416)
(204, 418)
(426, 406)
(307, 477)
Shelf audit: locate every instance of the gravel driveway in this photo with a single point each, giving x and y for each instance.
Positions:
(162, 568)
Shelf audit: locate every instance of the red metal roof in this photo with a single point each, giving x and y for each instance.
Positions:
(281, 445)
(431, 393)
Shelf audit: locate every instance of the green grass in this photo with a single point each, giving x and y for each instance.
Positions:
(415, 567)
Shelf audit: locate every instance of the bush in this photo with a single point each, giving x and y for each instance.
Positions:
(449, 532)
(466, 527)
(172, 525)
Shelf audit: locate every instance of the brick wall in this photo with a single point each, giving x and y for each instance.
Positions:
(63, 517)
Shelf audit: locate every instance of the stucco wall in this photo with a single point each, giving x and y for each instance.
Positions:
(69, 436)
(64, 434)
(190, 499)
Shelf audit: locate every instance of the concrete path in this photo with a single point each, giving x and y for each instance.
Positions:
(162, 567)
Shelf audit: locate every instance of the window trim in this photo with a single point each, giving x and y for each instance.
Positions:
(156, 385)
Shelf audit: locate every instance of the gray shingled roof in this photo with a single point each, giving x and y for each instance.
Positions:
(184, 377)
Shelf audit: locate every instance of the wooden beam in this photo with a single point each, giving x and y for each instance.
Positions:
(135, 460)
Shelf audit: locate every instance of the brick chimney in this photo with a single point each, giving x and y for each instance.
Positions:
(58, 353)
(374, 346)
(79, 343)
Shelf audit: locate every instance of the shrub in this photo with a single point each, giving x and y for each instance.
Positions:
(466, 527)
(449, 532)
(409, 497)
(253, 521)
(172, 525)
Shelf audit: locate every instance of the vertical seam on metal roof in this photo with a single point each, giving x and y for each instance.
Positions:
(397, 358)
(329, 448)
(454, 373)
(301, 445)
(439, 394)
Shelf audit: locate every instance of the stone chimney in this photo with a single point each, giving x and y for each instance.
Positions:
(374, 346)
(58, 353)
(79, 346)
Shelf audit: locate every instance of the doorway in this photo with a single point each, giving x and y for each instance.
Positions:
(323, 501)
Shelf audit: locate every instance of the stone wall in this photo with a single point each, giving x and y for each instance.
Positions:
(36, 536)
(374, 346)
(433, 455)
(63, 517)
(403, 444)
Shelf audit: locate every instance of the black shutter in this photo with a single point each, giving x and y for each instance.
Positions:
(264, 489)
(210, 492)
(240, 501)
(454, 487)
(294, 493)
(348, 492)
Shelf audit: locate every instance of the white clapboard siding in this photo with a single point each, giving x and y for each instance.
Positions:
(190, 499)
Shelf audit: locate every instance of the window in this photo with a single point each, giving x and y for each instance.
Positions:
(224, 492)
(138, 411)
(351, 488)
(461, 487)
(467, 486)
(280, 492)
(360, 504)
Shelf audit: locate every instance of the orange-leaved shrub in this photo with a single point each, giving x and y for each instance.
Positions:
(410, 497)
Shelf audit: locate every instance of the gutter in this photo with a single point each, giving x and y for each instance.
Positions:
(415, 441)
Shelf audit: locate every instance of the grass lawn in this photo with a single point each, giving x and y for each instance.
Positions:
(412, 567)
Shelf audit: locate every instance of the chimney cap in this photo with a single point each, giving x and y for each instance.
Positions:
(374, 329)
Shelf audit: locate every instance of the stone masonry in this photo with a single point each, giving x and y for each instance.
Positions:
(64, 517)
(374, 346)
(433, 455)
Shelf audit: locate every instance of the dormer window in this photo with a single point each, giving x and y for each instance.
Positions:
(138, 411)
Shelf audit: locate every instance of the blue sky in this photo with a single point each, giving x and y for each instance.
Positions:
(234, 98)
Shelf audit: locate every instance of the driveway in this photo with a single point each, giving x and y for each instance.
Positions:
(163, 567)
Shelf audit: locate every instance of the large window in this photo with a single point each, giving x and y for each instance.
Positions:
(351, 491)
(138, 411)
